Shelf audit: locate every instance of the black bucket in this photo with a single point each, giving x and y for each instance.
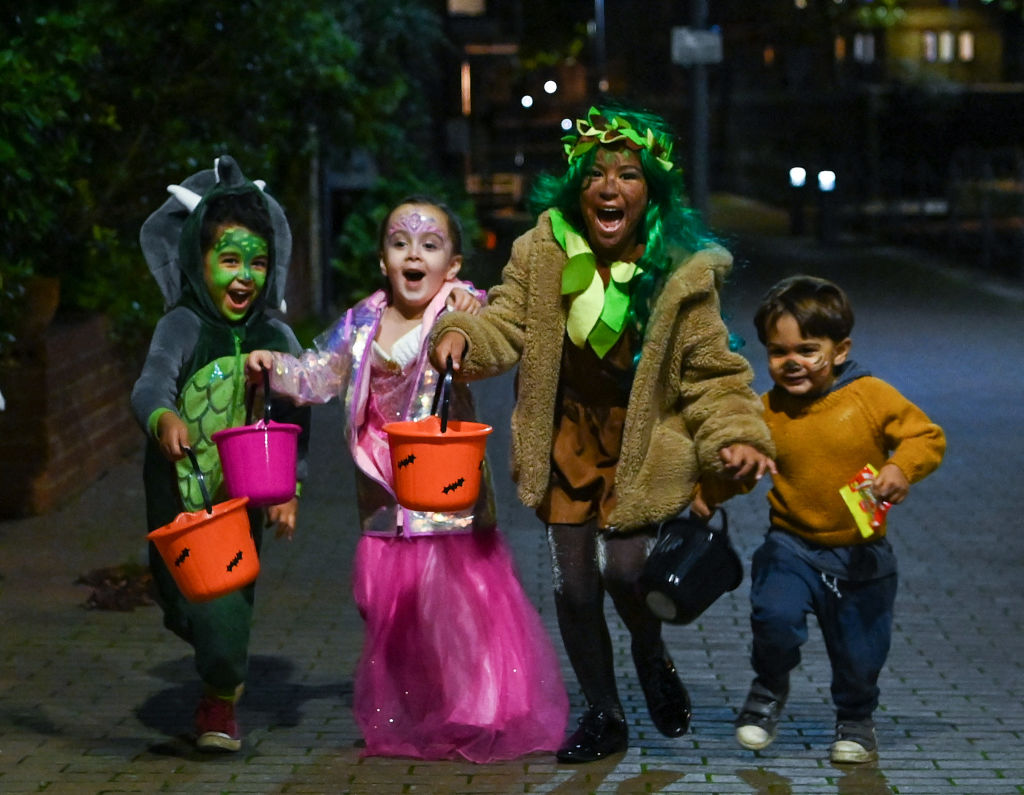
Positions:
(690, 566)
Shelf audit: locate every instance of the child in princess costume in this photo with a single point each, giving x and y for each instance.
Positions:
(219, 250)
(456, 663)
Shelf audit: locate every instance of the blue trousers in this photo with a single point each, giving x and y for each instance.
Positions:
(855, 620)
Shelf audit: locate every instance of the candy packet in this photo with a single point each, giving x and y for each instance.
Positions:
(868, 511)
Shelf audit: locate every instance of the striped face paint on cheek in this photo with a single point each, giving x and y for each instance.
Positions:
(814, 363)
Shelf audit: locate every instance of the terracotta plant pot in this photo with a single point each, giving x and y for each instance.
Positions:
(42, 297)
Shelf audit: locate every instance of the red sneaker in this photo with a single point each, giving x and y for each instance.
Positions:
(216, 727)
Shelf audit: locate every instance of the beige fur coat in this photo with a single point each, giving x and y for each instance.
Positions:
(691, 396)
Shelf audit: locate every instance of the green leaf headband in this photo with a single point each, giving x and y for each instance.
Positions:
(597, 130)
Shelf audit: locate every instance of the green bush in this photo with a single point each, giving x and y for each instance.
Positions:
(105, 102)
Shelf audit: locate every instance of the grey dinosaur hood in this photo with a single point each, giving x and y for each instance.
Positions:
(170, 236)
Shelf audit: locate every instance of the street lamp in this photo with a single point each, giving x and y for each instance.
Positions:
(826, 206)
(797, 185)
(600, 54)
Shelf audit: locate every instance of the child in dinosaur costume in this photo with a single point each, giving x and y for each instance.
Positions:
(219, 250)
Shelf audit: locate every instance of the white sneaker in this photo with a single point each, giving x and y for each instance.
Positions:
(759, 718)
(855, 742)
(753, 737)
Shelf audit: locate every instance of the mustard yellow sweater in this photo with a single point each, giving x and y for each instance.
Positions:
(822, 443)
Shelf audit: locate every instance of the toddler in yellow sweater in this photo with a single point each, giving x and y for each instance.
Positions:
(829, 419)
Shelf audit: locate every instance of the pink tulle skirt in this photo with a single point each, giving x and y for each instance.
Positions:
(456, 662)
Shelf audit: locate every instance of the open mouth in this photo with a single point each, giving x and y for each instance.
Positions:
(609, 216)
(239, 298)
(413, 275)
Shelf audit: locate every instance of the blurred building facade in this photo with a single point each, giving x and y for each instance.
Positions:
(883, 92)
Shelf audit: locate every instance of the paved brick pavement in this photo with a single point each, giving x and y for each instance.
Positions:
(99, 701)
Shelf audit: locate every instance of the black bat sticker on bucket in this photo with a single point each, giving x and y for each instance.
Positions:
(458, 484)
(181, 558)
(407, 460)
(235, 560)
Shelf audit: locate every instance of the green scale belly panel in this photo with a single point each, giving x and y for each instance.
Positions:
(211, 400)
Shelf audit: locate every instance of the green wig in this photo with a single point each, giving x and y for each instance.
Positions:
(669, 225)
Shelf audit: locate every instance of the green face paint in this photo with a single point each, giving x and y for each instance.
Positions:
(235, 270)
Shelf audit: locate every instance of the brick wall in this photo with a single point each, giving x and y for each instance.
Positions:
(67, 418)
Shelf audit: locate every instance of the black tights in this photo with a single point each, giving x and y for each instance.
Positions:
(582, 575)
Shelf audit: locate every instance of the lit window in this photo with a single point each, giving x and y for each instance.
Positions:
(946, 51)
(930, 42)
(801, 4)
(769, 55)
(466, 83)
(966, 45)
(864, 47)
(470, 8)
(840, 48)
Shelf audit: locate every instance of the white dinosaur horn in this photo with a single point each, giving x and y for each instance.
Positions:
(260, 183)
(187, 197)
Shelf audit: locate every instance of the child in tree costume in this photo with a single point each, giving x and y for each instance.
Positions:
(219, 250)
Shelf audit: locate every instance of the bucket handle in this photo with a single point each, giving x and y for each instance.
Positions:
(443, 394)
(250, 399)
(706, 523)
(202, 480)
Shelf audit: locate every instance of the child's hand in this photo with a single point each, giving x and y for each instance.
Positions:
(891, 484)
(172, 435)
(284, 516)
(742, 461)
(451, 343)
(462, 300)
(700, 508)
(255, 363)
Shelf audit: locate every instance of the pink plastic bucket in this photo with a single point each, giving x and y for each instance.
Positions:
(259, 459)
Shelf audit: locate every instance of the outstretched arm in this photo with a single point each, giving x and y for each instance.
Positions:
(488, 343)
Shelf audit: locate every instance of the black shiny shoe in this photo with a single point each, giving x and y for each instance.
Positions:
(600, 734)
(667, 700)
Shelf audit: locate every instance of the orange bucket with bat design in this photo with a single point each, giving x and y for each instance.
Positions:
(438, 463)
(209, 552)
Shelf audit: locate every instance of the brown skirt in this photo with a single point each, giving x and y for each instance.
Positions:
(591, 411)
